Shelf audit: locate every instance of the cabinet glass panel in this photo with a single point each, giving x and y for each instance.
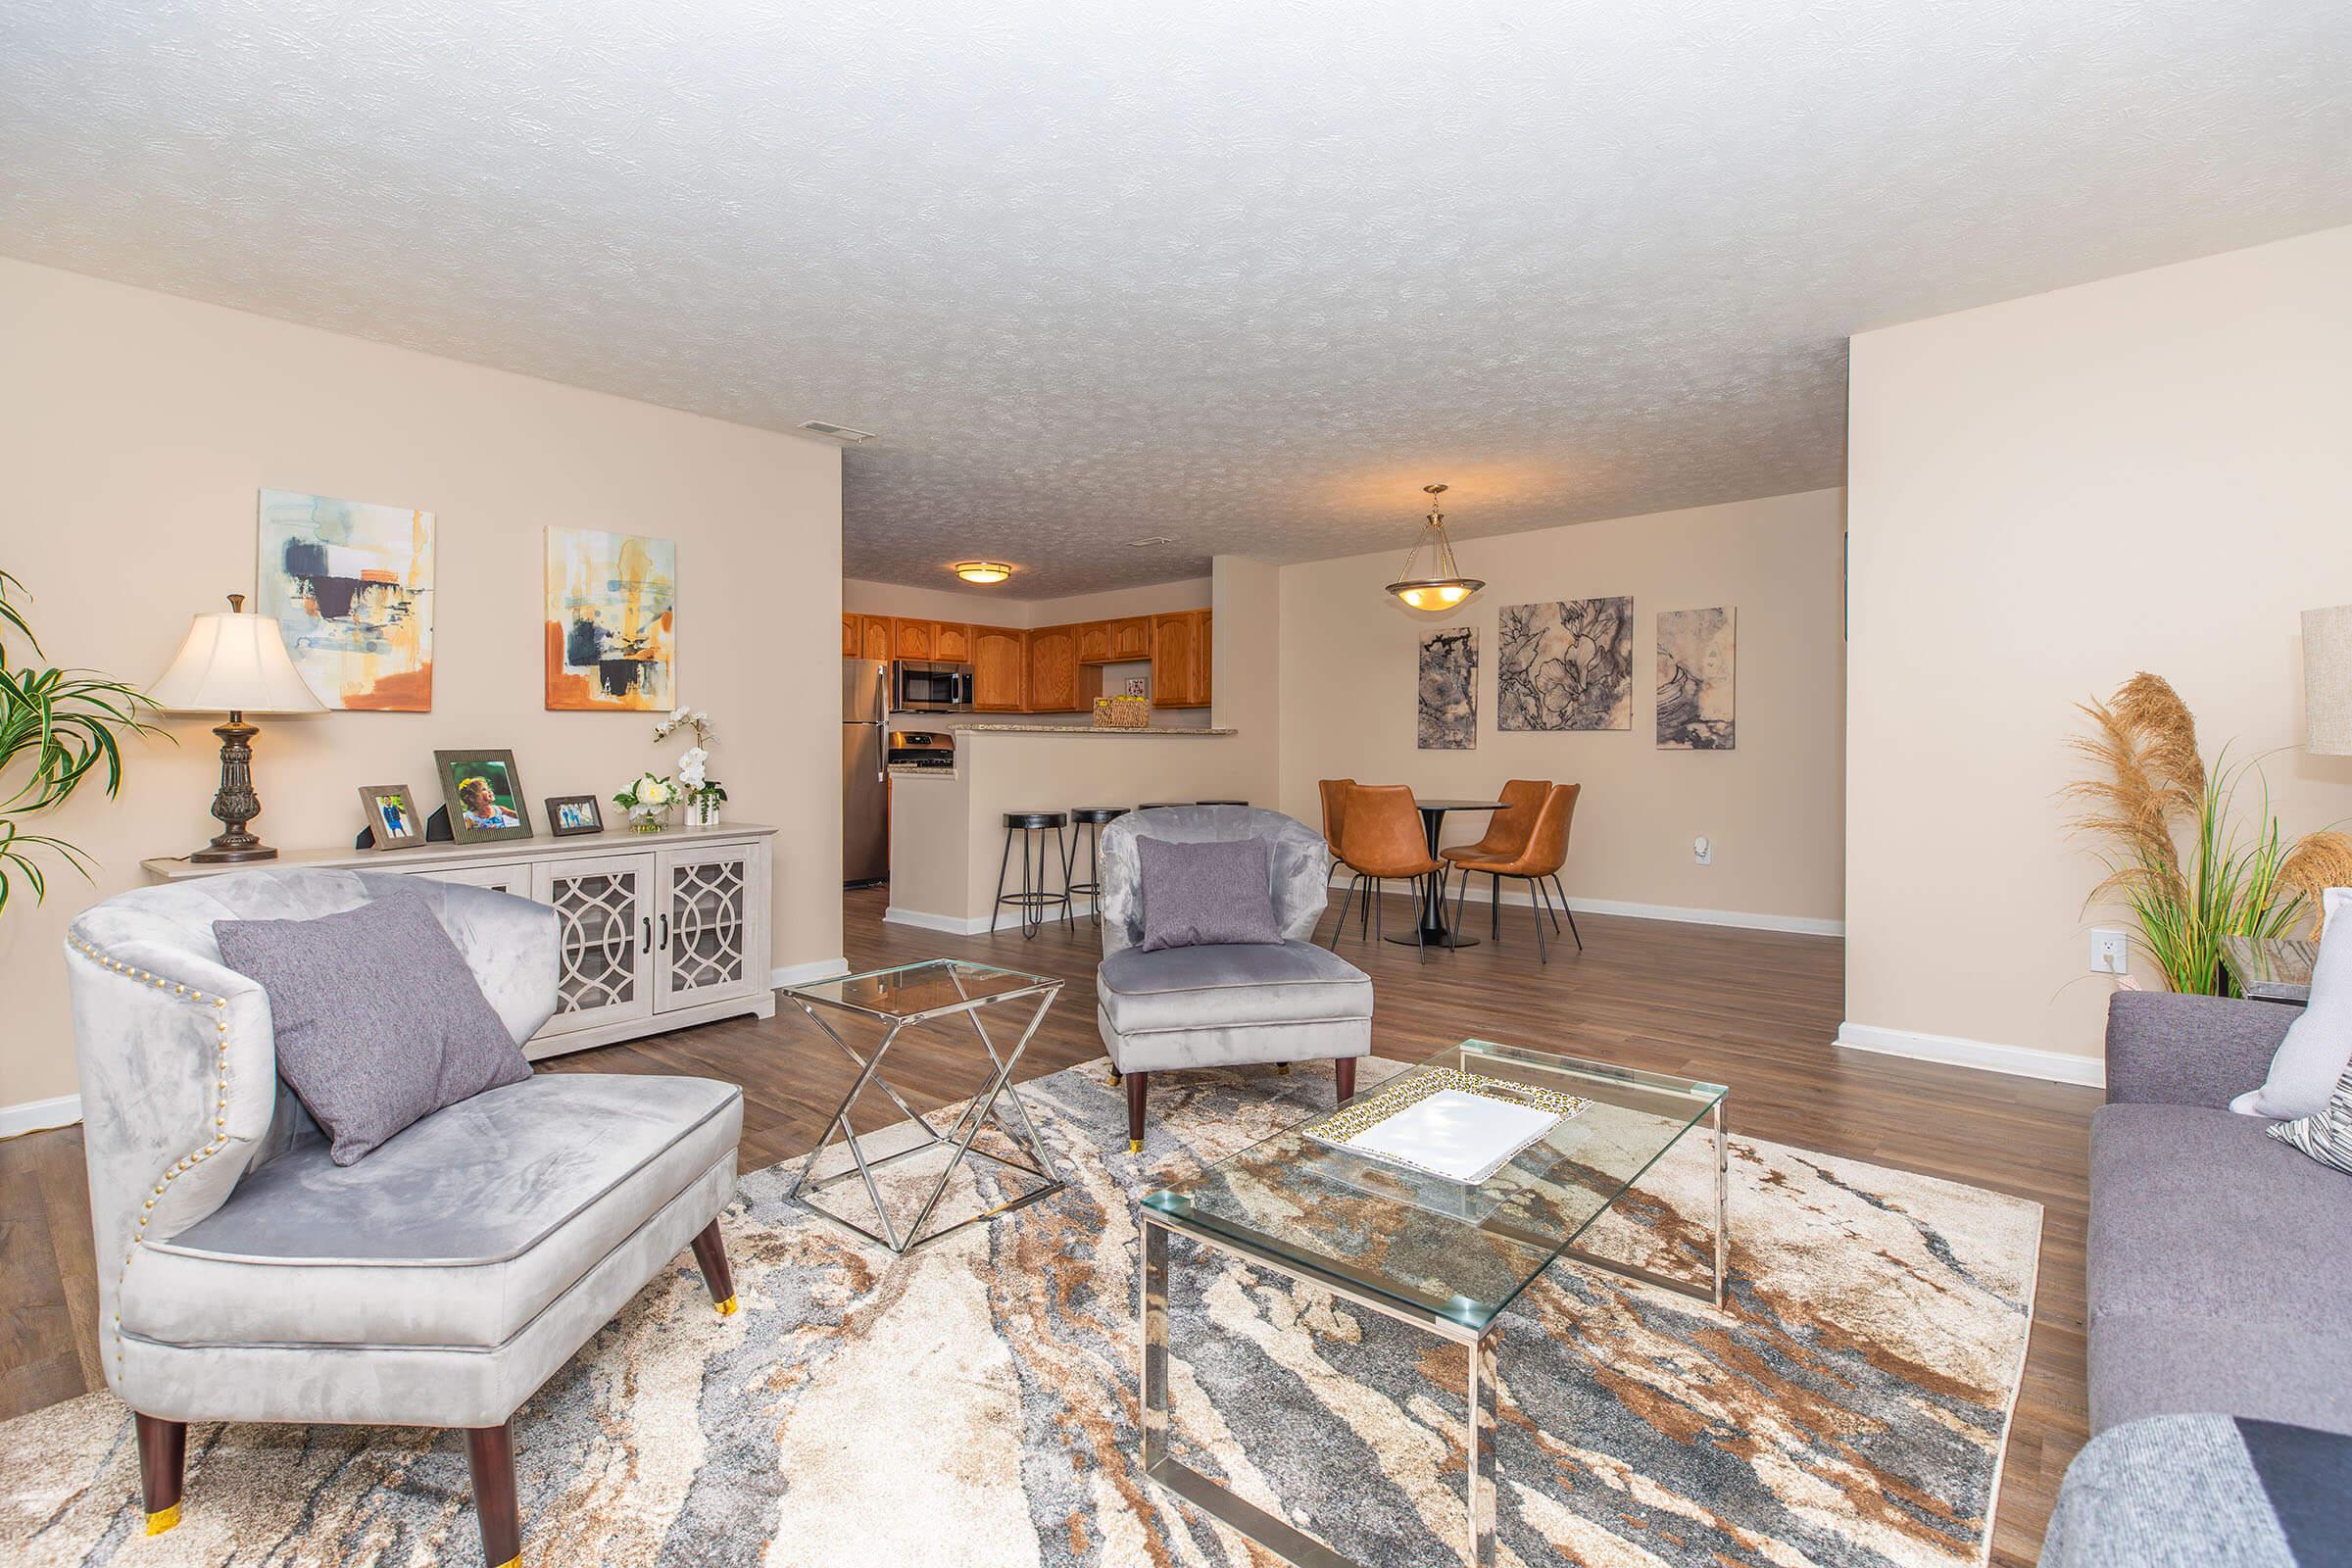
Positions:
(599, 935)
(709, 911)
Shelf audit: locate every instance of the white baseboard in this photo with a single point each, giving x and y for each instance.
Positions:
(1800, 924)
(801, 974)
(35, 1115)
(976, 925)
(2024, 1061)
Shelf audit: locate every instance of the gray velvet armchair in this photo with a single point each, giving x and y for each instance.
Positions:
(243, 1276)
(1226, 1004)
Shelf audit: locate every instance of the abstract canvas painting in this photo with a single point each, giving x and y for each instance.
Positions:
(612, 620)
(1448, 697)
(1694, 680)
(1565, 666)
(351, 588)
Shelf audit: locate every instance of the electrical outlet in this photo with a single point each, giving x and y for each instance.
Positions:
(2110, 952)
(1702, 851)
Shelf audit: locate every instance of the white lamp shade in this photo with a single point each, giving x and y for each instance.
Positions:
(2327, 680)
(234, 663)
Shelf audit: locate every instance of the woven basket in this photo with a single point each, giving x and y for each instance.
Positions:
(1122, 712)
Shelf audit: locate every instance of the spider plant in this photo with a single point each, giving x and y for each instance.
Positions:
(59, 728)
(2150, 797)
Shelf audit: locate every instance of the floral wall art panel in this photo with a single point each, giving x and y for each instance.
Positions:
(1449, 690)
(1565, 666)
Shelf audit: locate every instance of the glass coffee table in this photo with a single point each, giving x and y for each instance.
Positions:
(910, 996)
(1443, 1255)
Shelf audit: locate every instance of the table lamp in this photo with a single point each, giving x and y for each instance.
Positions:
(234, 664)
(2327, 680)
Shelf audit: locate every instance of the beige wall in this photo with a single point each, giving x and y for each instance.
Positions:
(139, 429)
(1245, 663)
(2147, 473)
(991, 608)
(1349, 659)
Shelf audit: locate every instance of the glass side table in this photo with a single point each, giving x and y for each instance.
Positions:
(2272, 968)
(918, 993)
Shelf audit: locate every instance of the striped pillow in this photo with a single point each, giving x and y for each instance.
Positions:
(2326, 1134)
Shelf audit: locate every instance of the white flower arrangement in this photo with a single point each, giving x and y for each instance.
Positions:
(703, 793)
(648, 801)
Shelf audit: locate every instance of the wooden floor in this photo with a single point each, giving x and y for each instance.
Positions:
(1753, 1009)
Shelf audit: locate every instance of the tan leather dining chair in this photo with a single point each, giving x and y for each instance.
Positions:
(1334, 815)
(1383, 839)
(1507, 832)
(1545, 851)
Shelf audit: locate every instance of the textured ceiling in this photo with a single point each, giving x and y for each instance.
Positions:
(1245, 275)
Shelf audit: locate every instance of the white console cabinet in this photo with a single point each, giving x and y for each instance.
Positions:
(659, 930)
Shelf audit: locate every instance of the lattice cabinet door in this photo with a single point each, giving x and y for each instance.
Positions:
(710, 924)
(606, 943)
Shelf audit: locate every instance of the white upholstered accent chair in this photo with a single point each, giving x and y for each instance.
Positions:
(243, 1276)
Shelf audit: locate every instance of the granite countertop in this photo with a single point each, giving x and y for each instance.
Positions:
(910, 770)
(1088, 729)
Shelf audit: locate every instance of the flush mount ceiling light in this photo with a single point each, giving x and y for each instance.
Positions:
(982, 571)
(1443, 586)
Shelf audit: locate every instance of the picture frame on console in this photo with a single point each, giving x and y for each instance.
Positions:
(568, 816)
(395, 821)
(484, 793)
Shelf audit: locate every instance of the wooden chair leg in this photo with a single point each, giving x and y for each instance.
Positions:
(162, 1462)
(1138, 1088)
(490, 1455)
(1343, 1072)
(711, 1255)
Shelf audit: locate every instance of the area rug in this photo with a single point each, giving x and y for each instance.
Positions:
(975, 1404)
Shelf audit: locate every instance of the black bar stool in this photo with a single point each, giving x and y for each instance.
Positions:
(1088, 820)
(1221, 803)
(1034, 899)
(1163, 805)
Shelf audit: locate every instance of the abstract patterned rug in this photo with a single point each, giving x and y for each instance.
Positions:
(975, 1404)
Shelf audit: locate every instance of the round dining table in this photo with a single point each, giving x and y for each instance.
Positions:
(1434, 931)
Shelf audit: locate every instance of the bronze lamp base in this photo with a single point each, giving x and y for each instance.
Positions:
(236, 803)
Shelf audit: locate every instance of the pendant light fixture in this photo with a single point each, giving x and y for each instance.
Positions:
(1443, 586)
(983, 572)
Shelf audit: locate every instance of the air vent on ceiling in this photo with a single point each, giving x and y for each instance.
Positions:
(839, 432)
(1155, 539)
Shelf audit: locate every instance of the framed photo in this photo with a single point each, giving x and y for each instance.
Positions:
(1139, 686)
(484, 794)
(393, 820)
(568, 814)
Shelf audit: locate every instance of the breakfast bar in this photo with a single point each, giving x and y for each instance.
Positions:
(947, 830)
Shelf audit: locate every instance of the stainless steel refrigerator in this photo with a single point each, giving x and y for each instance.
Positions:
(865, 801)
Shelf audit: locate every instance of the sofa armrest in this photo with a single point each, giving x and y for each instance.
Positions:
(2164, 1048)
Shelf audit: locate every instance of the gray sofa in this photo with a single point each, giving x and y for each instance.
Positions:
(2217, 1255)
(2219, 1351)
(1227, 1005)
(243, 1276)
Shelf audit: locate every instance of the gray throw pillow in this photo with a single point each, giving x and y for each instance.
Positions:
(1198, 894)
(378, 1021)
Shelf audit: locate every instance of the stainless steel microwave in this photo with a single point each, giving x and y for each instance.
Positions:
(919, 686)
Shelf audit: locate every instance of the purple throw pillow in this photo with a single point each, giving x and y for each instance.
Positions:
(377, 1020)
(1198, 894)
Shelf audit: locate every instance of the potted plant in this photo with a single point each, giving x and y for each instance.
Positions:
(703, 793)
(2176, 854)
(68, 724)
(648, 801)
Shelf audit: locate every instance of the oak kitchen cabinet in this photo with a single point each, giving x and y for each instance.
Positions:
(850, 627)
(952, 642)
(1131, 638)
(910, 639)
(873, 637)
(1054, 670)
(1180, 644)
(1000, 669)
(1094, 642)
